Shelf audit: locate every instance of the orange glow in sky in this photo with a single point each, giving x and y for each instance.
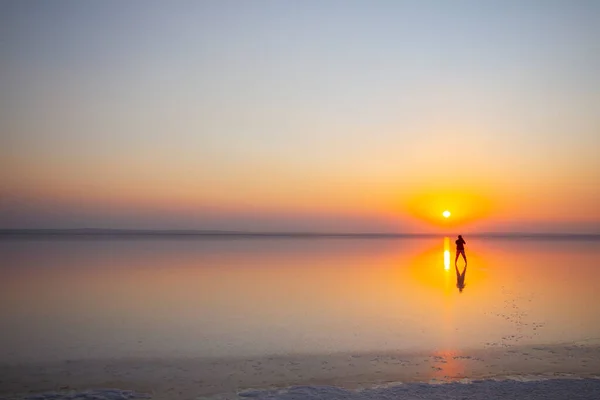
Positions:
(432, 207)
(237, 127)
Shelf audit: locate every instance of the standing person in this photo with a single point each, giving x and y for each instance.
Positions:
(460, 249)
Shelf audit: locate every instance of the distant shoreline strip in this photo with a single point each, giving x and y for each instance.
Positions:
(105, 233)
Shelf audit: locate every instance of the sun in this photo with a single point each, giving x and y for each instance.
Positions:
(446, 214)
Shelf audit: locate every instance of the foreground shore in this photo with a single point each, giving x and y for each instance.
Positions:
(546, 389)
(324, 375)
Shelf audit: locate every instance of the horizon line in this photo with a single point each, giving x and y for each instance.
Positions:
(234, 233)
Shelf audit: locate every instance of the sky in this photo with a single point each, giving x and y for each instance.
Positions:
(324, 116)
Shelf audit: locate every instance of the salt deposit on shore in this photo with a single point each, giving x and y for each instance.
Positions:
(584, 389)
(354, 376)
(506, 390)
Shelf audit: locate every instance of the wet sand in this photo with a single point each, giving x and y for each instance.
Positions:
(189, 378)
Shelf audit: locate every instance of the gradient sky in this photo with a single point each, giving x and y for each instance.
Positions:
(300, 115)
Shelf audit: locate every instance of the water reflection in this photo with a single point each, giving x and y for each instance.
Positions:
(460, 278)
(239, 298)
(446, 253)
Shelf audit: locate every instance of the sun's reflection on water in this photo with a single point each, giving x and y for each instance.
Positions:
(446, 253)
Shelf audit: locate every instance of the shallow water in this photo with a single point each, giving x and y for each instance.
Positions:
(109, 298)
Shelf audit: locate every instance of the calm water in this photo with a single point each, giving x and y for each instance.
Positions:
(71, 299)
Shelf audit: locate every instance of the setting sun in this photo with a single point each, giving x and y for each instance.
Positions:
(446, 214)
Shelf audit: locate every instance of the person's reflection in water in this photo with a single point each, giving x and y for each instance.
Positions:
(460, 278)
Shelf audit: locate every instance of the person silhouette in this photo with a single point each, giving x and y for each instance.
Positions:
(460, 249)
